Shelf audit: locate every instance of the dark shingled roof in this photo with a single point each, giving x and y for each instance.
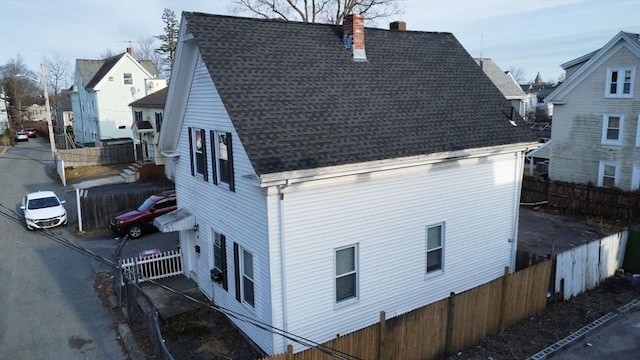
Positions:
(92, 71)
(156, 99)
(299, 101)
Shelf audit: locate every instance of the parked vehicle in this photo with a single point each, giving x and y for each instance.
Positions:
(31, 132)
(21, 135)
(137, 222)
(43, 210)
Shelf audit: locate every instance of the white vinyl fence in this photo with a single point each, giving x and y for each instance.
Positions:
(160, 266)
(585, 267)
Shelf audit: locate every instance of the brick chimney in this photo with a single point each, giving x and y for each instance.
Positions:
(130, 51)
(398, 25)
(353, 36)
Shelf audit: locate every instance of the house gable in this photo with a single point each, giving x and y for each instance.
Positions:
(622, 40)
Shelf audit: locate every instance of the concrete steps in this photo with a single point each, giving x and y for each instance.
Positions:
(131, 173)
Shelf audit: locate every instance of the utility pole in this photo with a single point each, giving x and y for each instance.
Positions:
(52, 136)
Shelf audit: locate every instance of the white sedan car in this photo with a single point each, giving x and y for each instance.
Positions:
(43, 210)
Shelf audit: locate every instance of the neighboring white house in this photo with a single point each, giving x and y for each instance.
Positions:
(102, 92)
(147, 123)
(35, 112)
(321, 181)
(4, 113)
(506, 83)
(595, 135)
(536, 93)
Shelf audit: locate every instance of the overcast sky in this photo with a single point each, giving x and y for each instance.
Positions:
(535, 36)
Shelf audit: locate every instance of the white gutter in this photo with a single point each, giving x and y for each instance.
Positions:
(296, 176)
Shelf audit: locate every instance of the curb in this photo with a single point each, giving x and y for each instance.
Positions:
(583, 331)
(126, 336)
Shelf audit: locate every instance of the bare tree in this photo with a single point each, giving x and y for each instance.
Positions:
(57, 74)
(108, 53)
(518, 74)
(322, 11)
(21, 86)
(145, 49)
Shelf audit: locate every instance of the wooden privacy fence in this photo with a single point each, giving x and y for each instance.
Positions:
(97, 208)
(446, 326)
(155, 267)
(111, 154)
(585, 267)
(582, 199)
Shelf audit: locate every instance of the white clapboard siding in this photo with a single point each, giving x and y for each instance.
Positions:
(241, 215)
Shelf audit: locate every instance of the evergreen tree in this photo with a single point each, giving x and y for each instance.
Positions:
(168, 40)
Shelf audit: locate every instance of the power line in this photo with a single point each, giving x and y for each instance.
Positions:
(13, 216)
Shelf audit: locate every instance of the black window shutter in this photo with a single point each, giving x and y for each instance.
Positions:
(236, 264)
(193, 170)
(214, 159)
(203, 135)
(232, 185)
(223, 248)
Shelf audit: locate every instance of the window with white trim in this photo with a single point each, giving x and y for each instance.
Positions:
(222, 158)
(158, 121)
(635, 179)
(248, 287)
(198, 146)
(620, 82)
(127, 78)
(435, 247)
(612, 125)
(608, 174)
(346, 273)
(137, 115)
(638, 133)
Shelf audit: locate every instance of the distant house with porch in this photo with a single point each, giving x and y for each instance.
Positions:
(147, 123)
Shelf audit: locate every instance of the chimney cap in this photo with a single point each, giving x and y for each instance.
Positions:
(398, 25)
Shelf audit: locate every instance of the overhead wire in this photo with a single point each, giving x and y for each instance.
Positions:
(13, 216)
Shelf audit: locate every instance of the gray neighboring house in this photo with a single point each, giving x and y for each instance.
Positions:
(506, 83)
(595, 134)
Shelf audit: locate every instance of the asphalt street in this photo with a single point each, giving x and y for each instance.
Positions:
(48, 308)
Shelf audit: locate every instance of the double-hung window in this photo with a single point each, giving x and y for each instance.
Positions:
(435, 247)
(222, 158)
(620, 82)
(158, 122)
(608, 174)
(127, 78)
(612, 125)
(220, 259)
(198, 146)
(244, 274)
(137, 115)
(346, 273)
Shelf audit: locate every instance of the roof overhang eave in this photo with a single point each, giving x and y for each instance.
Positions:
(296, 176)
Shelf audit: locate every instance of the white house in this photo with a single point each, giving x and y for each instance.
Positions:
(147, 123)
(102, 92)
(321, 181)
(595, 134)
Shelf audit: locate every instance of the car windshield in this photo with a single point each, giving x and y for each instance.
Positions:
(43, 203)
(146, 205)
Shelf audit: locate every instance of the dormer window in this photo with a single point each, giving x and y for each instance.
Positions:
(620, 82)
(127, 78)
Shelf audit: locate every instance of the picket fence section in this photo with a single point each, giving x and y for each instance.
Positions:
(160, 266)
(585, 267)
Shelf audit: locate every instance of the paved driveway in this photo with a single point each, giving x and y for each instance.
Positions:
(48, 309)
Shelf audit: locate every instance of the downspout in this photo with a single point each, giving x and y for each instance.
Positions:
(516, 208)
(283, 277)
